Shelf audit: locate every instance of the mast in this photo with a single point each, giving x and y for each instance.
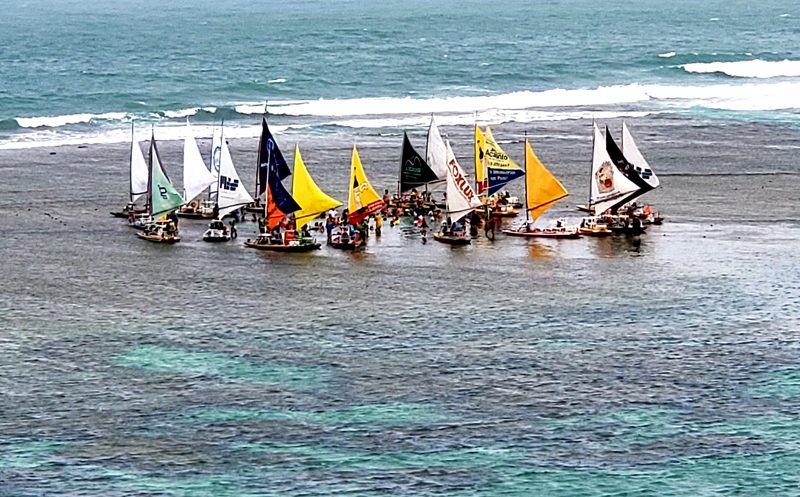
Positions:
(149, 203)
(591, 170)
(258, 157)
(130, 168)
(525, 151)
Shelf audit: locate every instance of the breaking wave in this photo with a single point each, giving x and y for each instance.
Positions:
(747, 68)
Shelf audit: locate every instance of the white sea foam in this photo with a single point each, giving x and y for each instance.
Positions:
(276, 80)
(667, 55)
(748, 68)
(192, 111)
(56, 121)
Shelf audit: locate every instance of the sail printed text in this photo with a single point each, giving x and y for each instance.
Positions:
(460, 181)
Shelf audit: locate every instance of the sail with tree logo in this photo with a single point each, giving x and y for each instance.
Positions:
(608, 185)
(500, 169)
(461, 200)
(363, 200)
(414, 170)
(231, 193)
(312, 200)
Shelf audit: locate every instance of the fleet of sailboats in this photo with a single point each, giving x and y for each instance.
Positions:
(619, 175)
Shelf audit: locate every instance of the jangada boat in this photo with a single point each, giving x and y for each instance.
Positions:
(197, 178)
(138, 180)
(163, 199)
(163, 231)
(281, 244)
(594, 226)
(461, 201)
(528, 230)
(542, 191)
(218, 232)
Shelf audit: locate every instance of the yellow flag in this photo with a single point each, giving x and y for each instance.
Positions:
(307, 194)
(364, 200)
(542, 189)
(480, 170)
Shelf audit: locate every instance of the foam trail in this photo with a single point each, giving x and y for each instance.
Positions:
(667, 55)
(747, 68)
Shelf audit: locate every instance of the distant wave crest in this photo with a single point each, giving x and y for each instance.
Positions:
(57, 121)
(747, 68)
(667, 55)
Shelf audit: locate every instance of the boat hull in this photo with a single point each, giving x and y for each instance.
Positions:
(158, 238)
(451, 240)
(544, 233)
(306, 247)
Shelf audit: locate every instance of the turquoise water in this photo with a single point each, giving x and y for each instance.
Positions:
(79, 71)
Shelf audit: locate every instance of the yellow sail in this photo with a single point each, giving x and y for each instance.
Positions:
(364, 200)
(542, 189)
(495, 157)
(480, 169)
(307, 194)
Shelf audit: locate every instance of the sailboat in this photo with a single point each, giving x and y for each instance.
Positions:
(414, 173)
(196, 178)
(461, 201)
(542, 191)
(137, 185)
(363, 201)
(164, 200)
(278, 203)
(608, 186)
(231, 195)
(648, 179)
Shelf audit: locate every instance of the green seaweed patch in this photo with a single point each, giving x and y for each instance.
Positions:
(29, 454)
(230, 368)
(320, 457)
(783, 384)
(392, 414)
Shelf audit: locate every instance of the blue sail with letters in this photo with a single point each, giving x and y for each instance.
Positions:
(231, 192)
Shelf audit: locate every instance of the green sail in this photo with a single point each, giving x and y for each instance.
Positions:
(164, 198)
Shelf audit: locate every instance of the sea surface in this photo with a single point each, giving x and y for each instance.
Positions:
(666, 364)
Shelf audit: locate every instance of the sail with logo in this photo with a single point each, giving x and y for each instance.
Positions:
(414, 170)
(500, 169)
(609, 187)
(231, 193)
(461, 201)
(164, 199)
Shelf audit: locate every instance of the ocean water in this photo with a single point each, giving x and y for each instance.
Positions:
(665, 364)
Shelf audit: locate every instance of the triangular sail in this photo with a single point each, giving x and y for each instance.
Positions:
(231, 193)
(196, 176)
(279, 202)
(609, 186)
(363, 200)
(269, 156)
(436, 152)
(140, 173)
(480, 161)
(414, 171)
(164, 198)
(461, 197)
(636, 158)
(627, 169)
(542, 189)
(500, 169)
(312, 200)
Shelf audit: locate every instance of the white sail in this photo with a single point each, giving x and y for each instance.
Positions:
(436, 152)
(216, 152)
(609, 185)
(232, 193)
(196, 176)
(140, 174)
(461, 197)
(635, 157)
